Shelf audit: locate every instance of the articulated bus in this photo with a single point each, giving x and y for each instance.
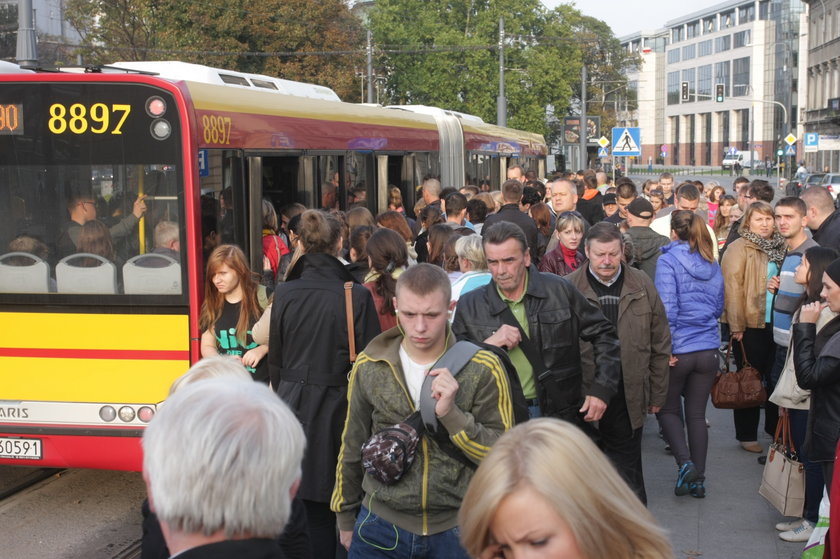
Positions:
(89, 344)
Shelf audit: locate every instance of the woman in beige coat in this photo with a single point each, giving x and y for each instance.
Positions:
(747, 265)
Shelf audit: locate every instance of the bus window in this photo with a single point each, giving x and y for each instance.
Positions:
(329, 179)
(117, 213)
(359, 179)
(223, 202)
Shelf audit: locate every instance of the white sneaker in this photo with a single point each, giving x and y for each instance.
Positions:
(800, 534)
(787, 525)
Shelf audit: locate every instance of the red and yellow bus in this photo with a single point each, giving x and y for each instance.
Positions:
(88, 351)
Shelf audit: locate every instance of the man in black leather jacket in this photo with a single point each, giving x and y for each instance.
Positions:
(555, 316)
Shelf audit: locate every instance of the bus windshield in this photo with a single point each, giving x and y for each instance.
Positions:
(85, 211)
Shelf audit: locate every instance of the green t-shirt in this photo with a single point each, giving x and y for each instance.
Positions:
(517, 356)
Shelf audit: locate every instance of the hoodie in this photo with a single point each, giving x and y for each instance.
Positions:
(691, 289)
(646, 245)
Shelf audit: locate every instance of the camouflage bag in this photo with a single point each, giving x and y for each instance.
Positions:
(389, 453)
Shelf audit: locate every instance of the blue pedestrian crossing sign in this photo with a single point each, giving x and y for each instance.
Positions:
(602, 152)
(626, 141)
(790, 150)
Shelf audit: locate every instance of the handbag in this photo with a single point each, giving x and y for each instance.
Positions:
(738, 390)
(783, 481)
(787, 393)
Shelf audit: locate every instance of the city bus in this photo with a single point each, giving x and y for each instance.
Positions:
(91, 343)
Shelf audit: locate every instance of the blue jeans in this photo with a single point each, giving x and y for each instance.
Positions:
(374, 537)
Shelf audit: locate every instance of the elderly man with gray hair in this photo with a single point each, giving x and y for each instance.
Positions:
(221, 464)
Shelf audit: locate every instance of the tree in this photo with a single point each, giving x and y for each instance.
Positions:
(8, 31)
(233, 34)
(445, 53)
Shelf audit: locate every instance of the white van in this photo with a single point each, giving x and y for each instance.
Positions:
(746, 159)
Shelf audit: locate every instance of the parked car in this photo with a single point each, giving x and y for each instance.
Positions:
(813, 179)
(832, 182)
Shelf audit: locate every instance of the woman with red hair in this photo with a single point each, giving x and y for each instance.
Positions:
(230, 309)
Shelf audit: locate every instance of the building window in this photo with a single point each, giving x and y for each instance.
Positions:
(692, 30)
(677, 34)
(673, 88)
(723, 43)
(746, 13)
(764, 9)
(673, 56)
(689, 52)
(740, 76)
(710, 25)
(704, 83)
(727, 19)
(688, 76)
(722, 76)
(741, 39)
(704, 48)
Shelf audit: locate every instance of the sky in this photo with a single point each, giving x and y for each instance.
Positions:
(628, 16)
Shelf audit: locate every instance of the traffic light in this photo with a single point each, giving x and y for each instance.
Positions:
(684, 91)
(719, 93)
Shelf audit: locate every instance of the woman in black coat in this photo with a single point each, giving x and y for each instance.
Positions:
(817, 365)
(309, 361)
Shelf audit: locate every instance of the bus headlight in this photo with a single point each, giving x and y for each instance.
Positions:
(107, 413)
(127, 414)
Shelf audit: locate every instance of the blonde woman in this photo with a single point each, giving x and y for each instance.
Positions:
(534, 494)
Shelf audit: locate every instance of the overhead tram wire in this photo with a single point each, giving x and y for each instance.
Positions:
(383, 49)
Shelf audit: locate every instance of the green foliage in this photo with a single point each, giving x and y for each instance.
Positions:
(8, 31)
(444, 53)
(231, 34)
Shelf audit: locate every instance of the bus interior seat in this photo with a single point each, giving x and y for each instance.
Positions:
(78, 279)
(152, 274)
(26, 278)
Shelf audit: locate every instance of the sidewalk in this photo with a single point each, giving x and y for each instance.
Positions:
(733, 521)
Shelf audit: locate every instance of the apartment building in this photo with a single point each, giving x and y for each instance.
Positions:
(821, 111)
(748, 49)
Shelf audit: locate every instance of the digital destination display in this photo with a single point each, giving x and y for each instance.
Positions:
(11, 120)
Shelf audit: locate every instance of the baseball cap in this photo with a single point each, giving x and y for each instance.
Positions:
(609, 199)
(641, 208)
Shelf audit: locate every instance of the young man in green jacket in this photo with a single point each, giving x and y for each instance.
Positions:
(420, 510)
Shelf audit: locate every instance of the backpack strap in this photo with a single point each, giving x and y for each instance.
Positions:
(455, 359)
(348, 310)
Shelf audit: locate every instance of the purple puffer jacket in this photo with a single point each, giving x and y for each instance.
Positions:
(691, 289)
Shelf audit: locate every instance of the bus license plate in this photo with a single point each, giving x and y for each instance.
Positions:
(21, 449)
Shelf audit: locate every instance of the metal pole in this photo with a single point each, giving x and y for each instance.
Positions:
(27, 50)
(584, 160)
(501, 101)
(369, 67)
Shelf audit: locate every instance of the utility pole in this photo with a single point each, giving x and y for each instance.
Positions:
(27, 50)
(584, 160)
(501, 101)
(370, 98)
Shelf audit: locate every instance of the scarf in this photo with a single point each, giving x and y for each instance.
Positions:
(570, 257)
(775, 247)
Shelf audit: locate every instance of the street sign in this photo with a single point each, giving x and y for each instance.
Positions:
(603, 142)
(602, 152)
(790, 139)
(626, 141)
(790, 150)
(732, 151)
(811, 142)
(664, 149)
(779, 152)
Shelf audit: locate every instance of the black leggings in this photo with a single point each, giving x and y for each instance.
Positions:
(691, 378)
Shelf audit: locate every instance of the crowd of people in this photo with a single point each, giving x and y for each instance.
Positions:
(587, 307)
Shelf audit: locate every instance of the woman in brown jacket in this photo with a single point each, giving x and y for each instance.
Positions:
(747, 265)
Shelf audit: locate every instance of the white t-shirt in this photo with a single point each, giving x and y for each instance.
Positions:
(415, 374)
